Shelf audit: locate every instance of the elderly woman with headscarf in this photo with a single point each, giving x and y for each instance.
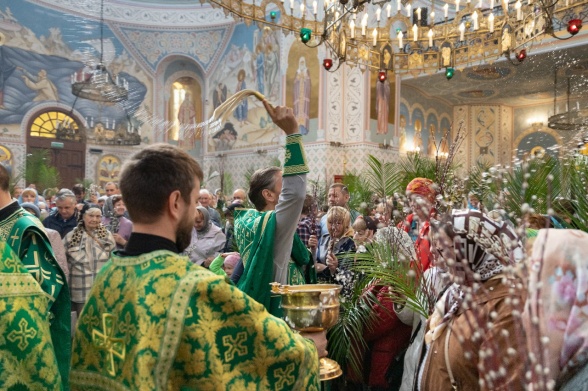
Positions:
(115, 221)
(556, 315)
(207, 241)
(87, 248)
(421, 193)
(473, 334)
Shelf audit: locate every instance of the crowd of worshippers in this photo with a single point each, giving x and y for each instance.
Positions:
(506, 305)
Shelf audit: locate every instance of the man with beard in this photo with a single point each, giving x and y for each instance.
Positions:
(156, 321)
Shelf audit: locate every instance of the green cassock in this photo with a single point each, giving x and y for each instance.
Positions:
(254, 234)
(27, 354)
(25, 234)
(158, 322)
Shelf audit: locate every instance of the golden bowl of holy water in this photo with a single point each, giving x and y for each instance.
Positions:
(311, 307)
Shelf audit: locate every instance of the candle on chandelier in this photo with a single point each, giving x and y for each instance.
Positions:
(519, 10)
(491, 22)
(430, 34)
(302, 9)
(491, 4)
(364, 24)
(378, 12)
(398, 5)
(505, 6)
(375, 36)
(456, 5)
(113, 124)
(314, 7)
(388, 9)
(415, 32)
(408, 10)
(475, 19)
(418, 11)
(399, 36)
(352, 28)
(480, 4)
(446, 9)
(462, 31)
(292, 7)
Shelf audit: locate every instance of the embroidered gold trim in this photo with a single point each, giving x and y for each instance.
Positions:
(18, 284)
(173, 328)
(148, 257)
(84, 380)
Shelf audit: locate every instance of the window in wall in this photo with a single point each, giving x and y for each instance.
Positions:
(47, 124)
(185, 111)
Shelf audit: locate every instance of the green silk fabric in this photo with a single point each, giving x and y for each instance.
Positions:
(27, 354)
(25, 234)
(254, 234)
(158, 322)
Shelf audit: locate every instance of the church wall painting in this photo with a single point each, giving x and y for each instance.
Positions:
(251, 61)
(302, 89)
(431, 135)
(404, 117)
(418, 123)
(37, 63)
(381, 107)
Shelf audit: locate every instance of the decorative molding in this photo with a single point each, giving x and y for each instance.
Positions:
(152, 15)
(354, 104)
(151, 47)
(334, 106)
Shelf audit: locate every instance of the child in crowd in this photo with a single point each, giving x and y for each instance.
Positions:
(224, 264)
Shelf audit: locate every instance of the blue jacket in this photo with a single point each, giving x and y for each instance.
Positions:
(56, 222)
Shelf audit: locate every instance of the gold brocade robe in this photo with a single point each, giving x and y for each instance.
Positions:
(158, 322)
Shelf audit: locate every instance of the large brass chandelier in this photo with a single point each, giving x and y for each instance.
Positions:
(416, 36)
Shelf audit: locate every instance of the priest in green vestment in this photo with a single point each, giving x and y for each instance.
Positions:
(25, 234)
(155, 321)
(270, 249)
(27, 354)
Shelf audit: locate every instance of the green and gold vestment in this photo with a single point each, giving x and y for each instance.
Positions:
(25, 234)
(27, 355)
(158, 322)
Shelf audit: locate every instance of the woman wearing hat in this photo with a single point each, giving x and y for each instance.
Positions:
(87, 248)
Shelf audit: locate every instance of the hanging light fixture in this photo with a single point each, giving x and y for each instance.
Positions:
(573, 119)
(359, 32)
(98, 84)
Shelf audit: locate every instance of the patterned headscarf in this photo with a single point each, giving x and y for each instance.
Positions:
(558, 298)
(423, 187)
(486, 246)
(100, 233)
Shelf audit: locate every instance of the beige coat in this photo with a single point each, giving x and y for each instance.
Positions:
(464, 358)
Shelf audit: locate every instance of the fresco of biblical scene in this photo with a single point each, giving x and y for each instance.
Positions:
(382, 99)
(302, 90)
(251, 61)
(432, 135)
(403, 144)
(38, 65)
(108, 170)
(185, 112)
(418, 122)
(446, 136)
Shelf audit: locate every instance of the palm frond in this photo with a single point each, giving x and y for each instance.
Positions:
(382, 178)
(359, 191)
(346, 342)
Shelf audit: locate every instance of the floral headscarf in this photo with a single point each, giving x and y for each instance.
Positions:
(558, 299)
(423, 187)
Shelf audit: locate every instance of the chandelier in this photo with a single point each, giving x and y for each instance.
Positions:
(97, 83)
(406, 36)
(574, 118)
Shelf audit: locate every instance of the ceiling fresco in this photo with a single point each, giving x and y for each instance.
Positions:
(531, 81)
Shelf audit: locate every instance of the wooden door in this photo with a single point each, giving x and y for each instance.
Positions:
(70, 160)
